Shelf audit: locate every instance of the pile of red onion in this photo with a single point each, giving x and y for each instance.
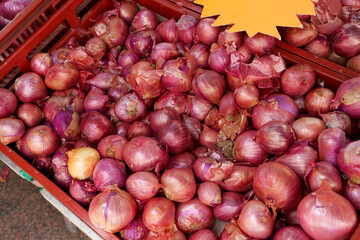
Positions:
(164, 131)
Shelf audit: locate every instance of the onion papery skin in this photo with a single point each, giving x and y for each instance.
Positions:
(162, 52)
(108, 172)
(256, 220)
(230, 39)
(59, 165)
(8, 102)
(209, 193)
(177, 75)
(96, 48)
(179, 184)
(158, 214)
(104, 209)
(142, 185)
(330, 141)
(204, 234)
(346, 40)
(230, 206)
(135, 230)
(297, 80)
(240, 179)
(318, 101)
(41, 63)
(130, 108)
(323, 171)
(288, 191)
(299, 157)
(167, 30)
(247, 151)
(143, 41)
(193, 125)
(351, 192)
(199, 107)
(300, 36)
(30, 87)
(324, 214)
(206, 32)
(95, 126)
(67, 125)
(201, 53)
(175, 136)
(186, 29)
(82, 161)
(193, 215)
(210, 169)
(42, 140)
(291, 232)
(96, 100)
(260, 44)
(82, 191)
(275, 137)
(61, 76)
(145, 154)
(232, 232)
(308, 128)
(177, 101)
(275, 107)
(112, 146)
(11, 130)
(337, 119)
(30, 114)
(347, 160)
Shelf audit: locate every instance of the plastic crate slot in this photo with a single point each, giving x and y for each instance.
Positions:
(84, 7)
(10, 77)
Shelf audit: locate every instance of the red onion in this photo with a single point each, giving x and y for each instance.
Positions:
(182, 160)
(204, 234)
(59, 55)
(175, 136)
(300, 36)
(9, 9)
(42, 140)
(346, 40)
(105, 210)
(95, 126)
(3, 22)
(256, 220)
(143, 41)
(247, 150)
(162, 52)
(139, 129)
(41, 63)
(323, 171)
(177, 101)
(324, 214)
(80, 58)
(67, 125)
(29, 113)
(326, 20)
(230, 206)
(208, 137)
(106, 80)
(30, 87)
(240, 179)
(291, 232)
(320, 46)
(158, 214)
(308, 128)
(43, 163)
(275, 107)
(61, 76)
(347, 160)
(96, 48)
(337, 119)
(96, 100)
(299, 157)
(144, 79)
(130, 108)
(209, 193)
(112, 30)
(199, 107)
(193, 215)
(167, 30)
(354, 63)
(346, 99)
(145, 154)
(210, 169)
(337, 59)
(277, 185)
(83, 143)
(186, 29)
(145, 18)
(179, 184)
(128, 58)
(24, 150)
(115, 93)
(177, 75)
(241, 55)
(246, 95)
(209, 85)
(169, 235)
(201, 53)
(260, 44)
(206, 32)
(59, 166)
(318, 101)
(193, 125)
(8, 102)
(160, 118)
(112, 146)
(351, 193)
(218, 59)
(121, 128)
(297, 80)
(200, 152)
(330, 141)
(142, 185)
(230, 39)
(108, 172)
(82, 191)
(135, 230)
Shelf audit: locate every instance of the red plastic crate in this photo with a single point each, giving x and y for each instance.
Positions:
(55, 30)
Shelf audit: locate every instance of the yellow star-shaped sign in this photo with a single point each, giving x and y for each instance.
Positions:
(255, 16)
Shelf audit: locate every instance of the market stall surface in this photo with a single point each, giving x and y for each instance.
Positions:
(25, 214)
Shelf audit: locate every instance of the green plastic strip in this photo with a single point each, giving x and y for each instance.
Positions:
(42, 189)
(26, 175)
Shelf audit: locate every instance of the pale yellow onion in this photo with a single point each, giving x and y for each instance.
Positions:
(82, 162)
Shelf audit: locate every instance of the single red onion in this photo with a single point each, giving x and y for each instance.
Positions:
(206, 32)
(96, 100)
(204, 234)
(41, 63)
(274, 107)
(230, 206)
(330, 141)
(80, 58)
(320, 46)
(308, 128)
(208, 137)
(230, 39)
(59, 55)
(67, 125)
(136, 229)
(83, 143)
(160, 118)
(143, 41)
(193, 125)
(43, 163)
(115, 93)
(175, 136)
(288, 191)
(167, 30)
(239, 180)
(298, 157)
(127, 11)
(199, 107)
(209, 193)
(112, 146)
(324, 214)
(260, 44)
(177, 75)
(30, 87)
(59, 165)
(159, 214)
(256, 220)
(130, 108)
(140, 129)
(201, 53)
(42, 140)
(177, 101)
(218, 59)
(297, 80)
(95, 126)
(10, 9)
(108, 172)
(318, 101)
(210, 169)
(145, 18)
(128, 58)
(24, 150)
(323, 171)
(346, 40)
(351, 193)
(193, 215)
(29, 113)
(145, 154)
(142, 185)
(291, 232)
(182, 160)
(106, 80)
(168, 235)
(246, 95)
(300, 36)
(61, 76)
(82, 191)
(96, 48)
(8, 103)
(187, 25)
(121, 128)
(354, 63)
(178, 184)
(347, 159)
